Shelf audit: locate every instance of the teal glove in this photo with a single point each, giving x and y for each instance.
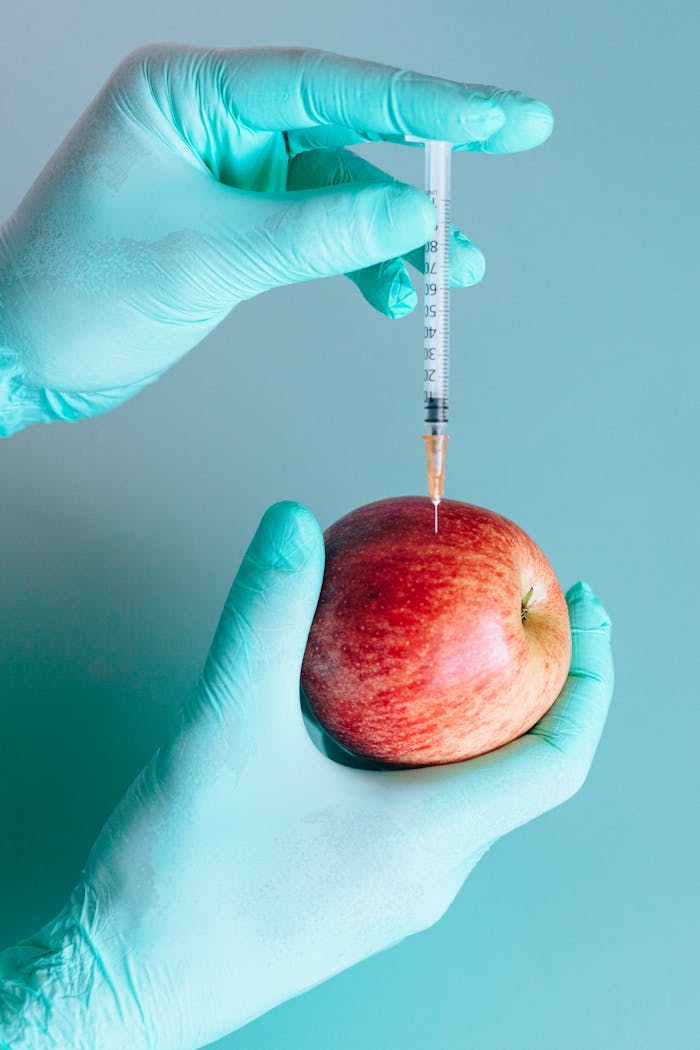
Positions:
(244, 867)
(199, 178)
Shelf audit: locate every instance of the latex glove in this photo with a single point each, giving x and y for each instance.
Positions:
(181, 192)
(243, 866)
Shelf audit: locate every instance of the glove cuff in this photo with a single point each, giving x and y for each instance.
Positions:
(21, 405)
(56, 991)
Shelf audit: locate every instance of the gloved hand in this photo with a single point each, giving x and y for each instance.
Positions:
(199, 178)
(243, 866)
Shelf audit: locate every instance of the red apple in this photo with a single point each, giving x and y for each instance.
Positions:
(431, 648)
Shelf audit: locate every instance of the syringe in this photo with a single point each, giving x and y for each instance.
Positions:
(436, 314)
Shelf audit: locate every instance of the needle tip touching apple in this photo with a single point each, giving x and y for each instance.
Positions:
(428, 648)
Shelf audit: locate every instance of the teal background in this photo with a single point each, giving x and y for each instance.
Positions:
(574, 411)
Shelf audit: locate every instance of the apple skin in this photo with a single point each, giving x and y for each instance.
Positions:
(418, 653)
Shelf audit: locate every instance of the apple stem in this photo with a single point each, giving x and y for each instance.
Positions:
(524, 604)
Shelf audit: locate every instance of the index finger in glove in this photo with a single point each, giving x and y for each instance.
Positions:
(526, 123)
(573, 725)
(289, 89)
(321, 87)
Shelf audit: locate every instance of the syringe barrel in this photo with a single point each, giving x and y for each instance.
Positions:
(436, 298)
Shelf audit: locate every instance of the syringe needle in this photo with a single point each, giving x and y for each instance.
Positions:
(437, 504)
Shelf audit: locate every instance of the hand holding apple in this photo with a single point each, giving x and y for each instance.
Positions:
(310, 865)
(426, 648)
